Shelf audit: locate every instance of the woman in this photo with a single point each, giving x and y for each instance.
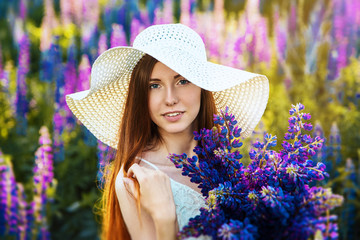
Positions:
(146, 101)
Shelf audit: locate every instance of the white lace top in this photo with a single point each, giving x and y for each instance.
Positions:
(187, 202)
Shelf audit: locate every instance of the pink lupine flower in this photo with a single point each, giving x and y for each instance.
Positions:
(136, 28)
(118, 37)
(102, 45)
(84, 74)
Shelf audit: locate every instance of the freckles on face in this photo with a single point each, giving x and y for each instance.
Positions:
(174, 102)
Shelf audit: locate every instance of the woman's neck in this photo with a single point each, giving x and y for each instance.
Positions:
(171, 143)
(179, 143)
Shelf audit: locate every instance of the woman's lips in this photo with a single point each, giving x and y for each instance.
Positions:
(173, 116)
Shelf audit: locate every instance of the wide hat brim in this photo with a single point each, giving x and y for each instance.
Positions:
(101, 107)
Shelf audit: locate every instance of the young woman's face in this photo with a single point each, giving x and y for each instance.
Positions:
(174, 102)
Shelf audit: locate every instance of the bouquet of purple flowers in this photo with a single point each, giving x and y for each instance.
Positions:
(272, 197)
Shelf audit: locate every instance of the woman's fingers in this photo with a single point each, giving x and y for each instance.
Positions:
(130, 186)
(155, 189)
(148, 177)
(138, 172)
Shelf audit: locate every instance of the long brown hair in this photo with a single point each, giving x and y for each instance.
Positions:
(136, 133)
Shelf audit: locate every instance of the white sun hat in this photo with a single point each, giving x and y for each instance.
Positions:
(101, 107)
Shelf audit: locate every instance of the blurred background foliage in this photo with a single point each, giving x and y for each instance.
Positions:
(309, 50)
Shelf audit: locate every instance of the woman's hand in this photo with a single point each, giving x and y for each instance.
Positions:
(155, 190)
(155, 197)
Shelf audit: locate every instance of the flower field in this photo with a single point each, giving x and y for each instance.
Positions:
(50, 165)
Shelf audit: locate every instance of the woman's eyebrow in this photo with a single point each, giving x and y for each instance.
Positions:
(158, 80)
(155, 80)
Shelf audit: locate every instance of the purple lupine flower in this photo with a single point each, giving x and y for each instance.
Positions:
(21, 102)
(22, 10)
(158, 16)
(84, 84)
(350, 28)
(43, 170)
(228, 55)
(59, 118)
(43, 180)
(264, 45)
(351, 18)
(118, 37)
(59, 122)
(46, 63)
(9, 201)
(237, 230)
(342, 59)
(185, 12)
(250, 43)
(136, 28)
(213, 40)
(356, 5)
(90, 20)
(24, 54)
(89, 41)
(71, 79)
(239, 49)
(84, 74)
(91, 12)
(338, 54)
(22, 213)
(165, 15)
(50, 62)
(30, 218)
(3, 195)
(271, 196)
(168, 12)
(70, 70)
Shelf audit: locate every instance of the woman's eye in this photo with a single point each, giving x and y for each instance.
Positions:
(154, 85)
(183, 82)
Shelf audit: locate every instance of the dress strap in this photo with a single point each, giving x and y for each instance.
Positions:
(147, 162)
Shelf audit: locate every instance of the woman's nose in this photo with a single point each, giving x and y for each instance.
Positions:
(171, 96)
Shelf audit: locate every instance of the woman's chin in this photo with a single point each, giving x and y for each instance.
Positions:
(176, 130)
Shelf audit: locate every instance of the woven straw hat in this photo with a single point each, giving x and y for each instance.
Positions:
(101, 107)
